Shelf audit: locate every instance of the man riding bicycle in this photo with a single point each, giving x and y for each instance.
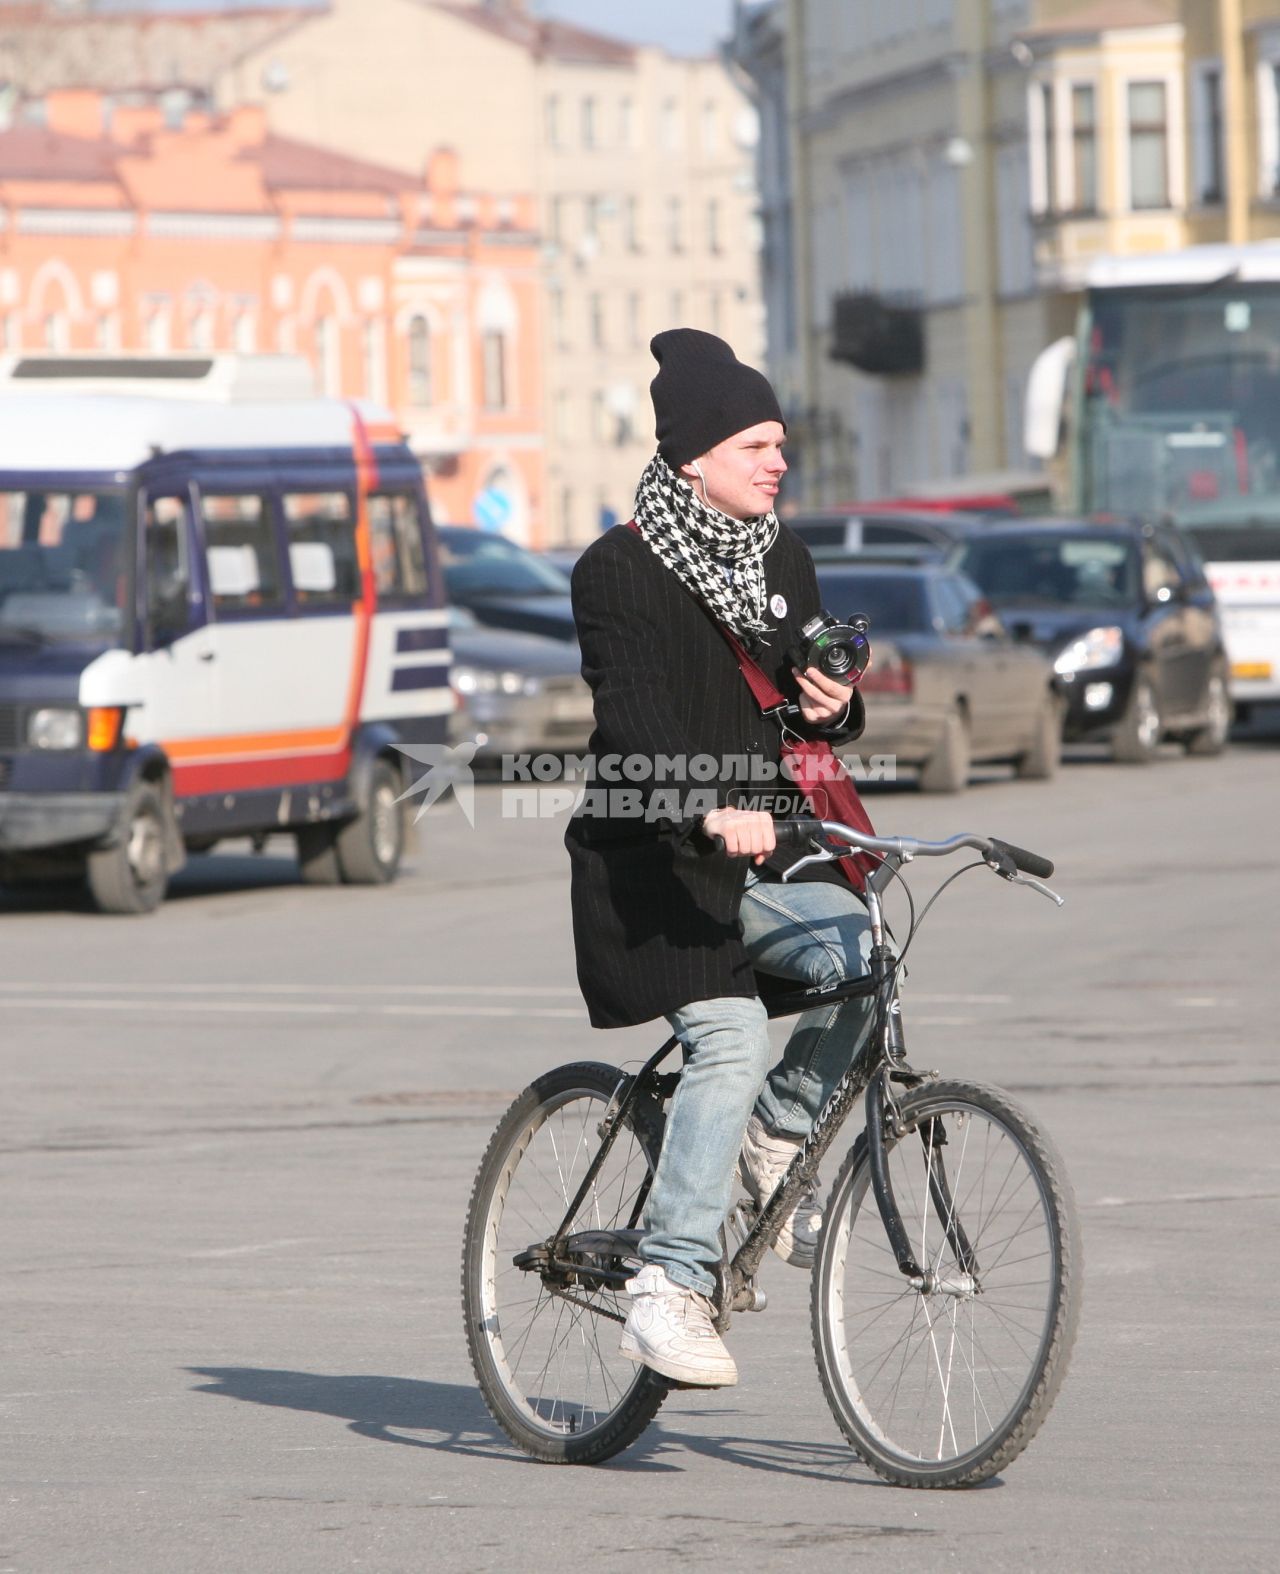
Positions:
(673, 913)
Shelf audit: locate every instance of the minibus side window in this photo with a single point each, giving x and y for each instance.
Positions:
(322, 549)
(168, 569)
(244, 575)
(395, 540)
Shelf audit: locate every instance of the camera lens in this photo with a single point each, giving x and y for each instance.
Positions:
(837, 659)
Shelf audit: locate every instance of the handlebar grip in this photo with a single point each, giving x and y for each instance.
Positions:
(1029, 863)
(796, 833)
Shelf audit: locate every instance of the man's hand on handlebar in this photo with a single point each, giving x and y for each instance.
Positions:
(745, 833)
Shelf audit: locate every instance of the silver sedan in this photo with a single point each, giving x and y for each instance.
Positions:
(516, 693)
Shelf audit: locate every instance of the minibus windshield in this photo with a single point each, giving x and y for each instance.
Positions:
(63, 565)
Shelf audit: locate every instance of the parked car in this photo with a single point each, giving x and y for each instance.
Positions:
(946, 685)
(891, 532)
(516, 693)
(504, 584)
(562, 558)
(1129, 620)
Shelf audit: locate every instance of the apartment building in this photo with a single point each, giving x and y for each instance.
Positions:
(954, 167)
(642, 167)
(127, 228)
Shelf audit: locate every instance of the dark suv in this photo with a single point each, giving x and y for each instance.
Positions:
(1126, 613)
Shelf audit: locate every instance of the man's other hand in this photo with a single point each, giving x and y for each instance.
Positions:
(822, 699)
(747, 833)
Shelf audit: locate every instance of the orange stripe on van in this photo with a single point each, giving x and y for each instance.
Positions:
(246, 744)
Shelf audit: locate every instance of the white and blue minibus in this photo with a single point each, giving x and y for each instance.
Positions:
(220, 615)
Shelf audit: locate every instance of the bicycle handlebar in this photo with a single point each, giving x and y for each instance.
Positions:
(1003, 856)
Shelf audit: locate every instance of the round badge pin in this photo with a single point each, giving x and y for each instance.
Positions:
(778, 606)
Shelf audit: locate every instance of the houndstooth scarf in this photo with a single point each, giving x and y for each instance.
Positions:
(696, 542)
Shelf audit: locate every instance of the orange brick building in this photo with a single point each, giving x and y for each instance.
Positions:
(122, 231)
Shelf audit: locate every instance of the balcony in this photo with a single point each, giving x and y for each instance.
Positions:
(880, 335)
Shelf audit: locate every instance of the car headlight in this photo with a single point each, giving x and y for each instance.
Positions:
(511, 682)
(472, 680)
(55, 727)
(1101, 647)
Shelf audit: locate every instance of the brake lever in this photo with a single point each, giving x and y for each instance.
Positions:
(822, 856)
(1037, 885)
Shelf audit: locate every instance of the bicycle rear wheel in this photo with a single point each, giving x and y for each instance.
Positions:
(544, 1346)
(944, 1381)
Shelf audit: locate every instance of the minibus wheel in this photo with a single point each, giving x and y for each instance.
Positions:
(370, 846)
(132, 876)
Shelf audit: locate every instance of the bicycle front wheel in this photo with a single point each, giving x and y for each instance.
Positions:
(544, 1343)
(944, 1380)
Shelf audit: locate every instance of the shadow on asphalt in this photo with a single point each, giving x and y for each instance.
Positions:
(454, 1420)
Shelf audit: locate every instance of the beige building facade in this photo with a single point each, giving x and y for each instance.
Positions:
(956, 166)
(640, 163)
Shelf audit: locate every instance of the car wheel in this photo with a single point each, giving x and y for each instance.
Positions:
(947, 768)
(132, 876)
(1041, 760)
(1137, 734)
(1211, 739)
(318, 855)
(370, 846)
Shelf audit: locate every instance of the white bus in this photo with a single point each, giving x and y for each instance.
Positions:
(1169, 398)
(220, 614)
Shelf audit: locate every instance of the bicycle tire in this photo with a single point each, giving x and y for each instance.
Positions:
(857, 1303)
(497, 1295)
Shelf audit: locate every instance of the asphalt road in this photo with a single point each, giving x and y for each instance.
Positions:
(238, 1139)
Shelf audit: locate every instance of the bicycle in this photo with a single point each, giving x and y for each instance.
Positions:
(945, 1293)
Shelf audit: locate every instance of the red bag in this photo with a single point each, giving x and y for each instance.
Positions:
(814, 768)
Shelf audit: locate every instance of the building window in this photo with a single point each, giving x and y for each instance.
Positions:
(493, 351)
(634, 317)
(675, 224)
(1273, 182)
(1208, 144)
(244, 333)
(676, 308)
(372, 346)
(57, 336)
(555, 315)
(564, 416)
(200, 330)
(588, 122)
(551, 121)
(592, 211)
(104, 334)
(710, 127)
(631, 222)
(1084, 148)
(328, 355)
(713, 226)
(419, 363)
(595, 308)
(1148, 145)
(567, 510)
(671, 138)
(1050, 148)
(599, 418)
(626, 124)
(555, 220)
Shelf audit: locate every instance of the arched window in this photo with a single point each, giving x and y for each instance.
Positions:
(419, 362)
(327, 355)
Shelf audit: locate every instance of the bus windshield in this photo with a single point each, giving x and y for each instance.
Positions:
(63, 565)
(1181, 409)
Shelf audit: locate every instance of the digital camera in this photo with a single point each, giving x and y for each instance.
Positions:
(841, 650)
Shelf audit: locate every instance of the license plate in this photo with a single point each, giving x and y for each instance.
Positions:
(571, 707)
(1251, 670)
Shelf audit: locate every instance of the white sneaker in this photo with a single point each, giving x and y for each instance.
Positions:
(765, 1159)
(669, 1329)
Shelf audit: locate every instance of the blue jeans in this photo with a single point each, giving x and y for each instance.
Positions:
(815, 933)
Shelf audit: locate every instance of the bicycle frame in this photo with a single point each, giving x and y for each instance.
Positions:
(881, 1060)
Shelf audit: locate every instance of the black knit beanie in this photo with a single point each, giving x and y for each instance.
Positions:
(703, 393)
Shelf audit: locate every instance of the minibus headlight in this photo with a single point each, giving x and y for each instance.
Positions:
(55, 727)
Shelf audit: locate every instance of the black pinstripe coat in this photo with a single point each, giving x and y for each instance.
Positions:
(655, 904)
